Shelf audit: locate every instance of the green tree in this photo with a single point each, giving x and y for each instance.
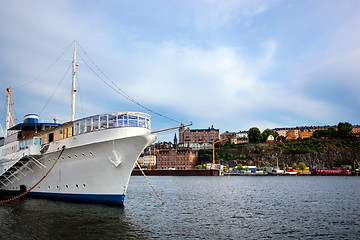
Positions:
(294, 166)
(266, 133)
(254, 135)
(240, 167)
(198, 167)
(265, 169)
(344, 130)
(302, 166)
(246, 168)
(258, 168)
(332, 132)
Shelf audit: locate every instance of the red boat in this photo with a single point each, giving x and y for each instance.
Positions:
(321, 171)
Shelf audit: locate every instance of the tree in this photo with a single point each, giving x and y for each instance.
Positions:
(258, 168)
(254, 135)
(266, 133)
(302, 166)
(294, 166)
(240, 167)
(265, 169)
(344, 130)
(198, 167)
(246, 168)
(332, 132)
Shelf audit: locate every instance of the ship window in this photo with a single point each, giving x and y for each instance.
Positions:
(76, 128)
(82, 126)
(103, 121)
(51, 137)
(61, 133)
(95, 123)
(112, 121)
(88, 125)
(37, 141)
(69, 132)
(133, 121)
(120, 120)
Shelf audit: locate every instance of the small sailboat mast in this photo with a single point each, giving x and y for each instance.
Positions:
(73, 90)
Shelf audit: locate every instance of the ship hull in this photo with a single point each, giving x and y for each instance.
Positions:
(94, 167)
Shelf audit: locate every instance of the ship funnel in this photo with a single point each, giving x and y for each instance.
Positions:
(31, 118)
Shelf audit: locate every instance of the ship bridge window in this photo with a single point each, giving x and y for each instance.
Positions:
(82, 126)
(88, 124)
(121, 120)
(133, 121)
(95, 123)
(112, 120)
(103, 121)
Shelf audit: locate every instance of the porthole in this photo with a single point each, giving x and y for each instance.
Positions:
(84, 185)
(62, 157)
(48, 186)
(75, 155)
(67, 186)
(83, 154)
(77, 185)
(68, 156)
(57, 186)
(90, 153)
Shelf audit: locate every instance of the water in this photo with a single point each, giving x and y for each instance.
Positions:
(200, 208)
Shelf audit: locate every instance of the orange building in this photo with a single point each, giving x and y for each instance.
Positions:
(292, 134)
(176, 158)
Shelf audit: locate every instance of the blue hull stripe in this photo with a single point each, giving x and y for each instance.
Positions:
(114, 199)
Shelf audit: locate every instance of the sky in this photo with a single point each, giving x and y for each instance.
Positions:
(231, 64)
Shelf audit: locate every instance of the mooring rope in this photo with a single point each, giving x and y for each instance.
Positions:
(26, 192)
(137, 163)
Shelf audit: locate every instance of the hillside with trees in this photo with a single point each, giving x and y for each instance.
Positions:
(326, 148)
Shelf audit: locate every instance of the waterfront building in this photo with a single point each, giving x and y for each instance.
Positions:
(198, 138)
(145, 159)
(177, 158)
(356, 129)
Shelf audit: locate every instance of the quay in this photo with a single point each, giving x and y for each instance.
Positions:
(167, 172)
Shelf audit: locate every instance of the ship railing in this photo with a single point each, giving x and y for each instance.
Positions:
(112, 120)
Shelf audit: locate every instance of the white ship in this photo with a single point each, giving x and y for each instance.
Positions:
(86, 160)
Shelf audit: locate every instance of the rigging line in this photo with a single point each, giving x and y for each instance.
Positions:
(55, 90)
(47, 69)
(122, 93)
(118, 89)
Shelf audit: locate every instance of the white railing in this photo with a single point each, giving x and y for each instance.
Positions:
(112, 120)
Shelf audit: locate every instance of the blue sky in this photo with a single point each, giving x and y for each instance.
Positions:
(231, 64)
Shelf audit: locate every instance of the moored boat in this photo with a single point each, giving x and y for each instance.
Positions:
(86, 160)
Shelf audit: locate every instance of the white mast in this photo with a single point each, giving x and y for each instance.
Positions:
(73, 90)
(10, 115)
(7, 126)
